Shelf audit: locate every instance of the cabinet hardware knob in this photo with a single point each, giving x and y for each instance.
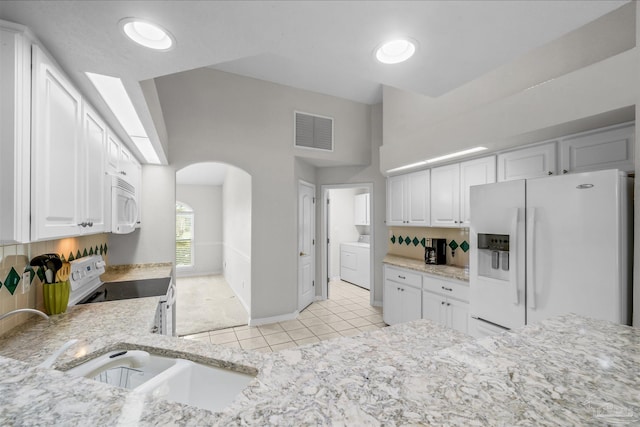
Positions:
(442, 303)
(565, 171)
(448, 289)
(82, 224)
(402, 277)
(90, 223)
(549, 173)
(448, 303)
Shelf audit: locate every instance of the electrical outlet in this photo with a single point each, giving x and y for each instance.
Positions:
(26, 282)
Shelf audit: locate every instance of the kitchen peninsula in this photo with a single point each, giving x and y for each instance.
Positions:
(565, 371)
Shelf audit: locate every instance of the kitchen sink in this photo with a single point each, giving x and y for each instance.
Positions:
(174, 379)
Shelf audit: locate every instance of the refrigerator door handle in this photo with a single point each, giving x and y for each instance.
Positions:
(514, 244)
(531, 279)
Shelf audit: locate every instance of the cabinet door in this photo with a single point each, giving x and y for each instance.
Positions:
(15, 136)
(445, 196)
(56, 152)
(93, 163)
(458, 315)
(360, 209)
(138, 183)
(417, 198)
(432, 306)
(391, 304)
(531, 162)
(113, 153)
(126, 164)
(395, 200)
(411, 303)
(609, 149)
(474, 172)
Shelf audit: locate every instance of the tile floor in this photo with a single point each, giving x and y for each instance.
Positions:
(347, 312)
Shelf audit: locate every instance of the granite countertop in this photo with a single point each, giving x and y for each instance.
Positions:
(448, 271)
(566, 371)
(120, 273)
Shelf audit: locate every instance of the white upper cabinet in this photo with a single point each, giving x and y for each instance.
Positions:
(445, 196)
(56, 152)
(530, 162)
(474, 172)
(361, 209)
(408, 199)
(15, 135)
(93, 154)
(611, 148)
(450, 190)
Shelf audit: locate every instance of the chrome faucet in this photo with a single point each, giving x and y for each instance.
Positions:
(23, 310)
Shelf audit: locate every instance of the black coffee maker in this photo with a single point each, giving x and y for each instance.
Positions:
(435, 251)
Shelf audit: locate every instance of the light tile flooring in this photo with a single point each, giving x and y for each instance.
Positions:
(347, 312)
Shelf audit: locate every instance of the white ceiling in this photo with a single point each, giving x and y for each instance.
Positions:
(202, 174)
(322, 46)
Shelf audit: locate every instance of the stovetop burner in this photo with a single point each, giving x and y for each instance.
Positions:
(114, 291)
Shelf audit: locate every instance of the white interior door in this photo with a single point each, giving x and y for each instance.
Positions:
(306, 244)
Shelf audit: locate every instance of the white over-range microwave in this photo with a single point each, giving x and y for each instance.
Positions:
(124, 205)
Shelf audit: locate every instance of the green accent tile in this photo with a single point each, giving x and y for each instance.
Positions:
(71, 257)
(453, 245)
(62, 258)
(407, 240)
(12, 280)
(464, 245)
(85, 253)
(78, 254)
(400, 240)
(393, 239)
(101, 249)
(95, 251)
(105, 248)
(423, 242)
(90, 251)
(41, 274)
(415, 241)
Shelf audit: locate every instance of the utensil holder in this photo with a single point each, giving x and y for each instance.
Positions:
(56, 297)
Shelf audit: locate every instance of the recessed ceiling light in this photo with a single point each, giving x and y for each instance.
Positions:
(395, 51)
(147, 34)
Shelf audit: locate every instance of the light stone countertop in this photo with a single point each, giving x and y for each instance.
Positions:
(447, 271)
(119, 273)
(565, 371)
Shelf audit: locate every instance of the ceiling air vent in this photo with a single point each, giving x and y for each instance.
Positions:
(314, 132)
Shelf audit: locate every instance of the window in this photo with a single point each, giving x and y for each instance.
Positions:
(184, 235)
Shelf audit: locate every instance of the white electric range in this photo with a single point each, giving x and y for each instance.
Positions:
(87, 288)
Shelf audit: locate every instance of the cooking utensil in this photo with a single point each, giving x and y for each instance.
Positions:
(48, 276)
(47, 262)
(63, 272)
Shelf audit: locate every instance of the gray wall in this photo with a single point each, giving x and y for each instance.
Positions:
(216, 116)
(236, 229)
(206, 202)
(155, 241)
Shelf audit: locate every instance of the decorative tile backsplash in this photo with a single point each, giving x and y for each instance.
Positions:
(14, 261)
(410, 242)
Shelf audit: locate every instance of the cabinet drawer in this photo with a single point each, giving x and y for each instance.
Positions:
(399, 275)
(450, 289)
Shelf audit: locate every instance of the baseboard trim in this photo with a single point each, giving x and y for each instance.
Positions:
(273, 319)
(186, 273)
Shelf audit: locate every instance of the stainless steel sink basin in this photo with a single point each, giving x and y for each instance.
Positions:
(174, 379)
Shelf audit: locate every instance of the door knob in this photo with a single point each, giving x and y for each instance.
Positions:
(302, 254)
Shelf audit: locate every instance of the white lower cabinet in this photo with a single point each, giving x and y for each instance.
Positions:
(446, 302)
(409, 295)
(401, 299)
(448, 312)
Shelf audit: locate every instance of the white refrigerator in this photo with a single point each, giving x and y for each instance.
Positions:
(549, 246)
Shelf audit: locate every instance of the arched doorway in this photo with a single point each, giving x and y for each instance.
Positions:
(213, 248)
